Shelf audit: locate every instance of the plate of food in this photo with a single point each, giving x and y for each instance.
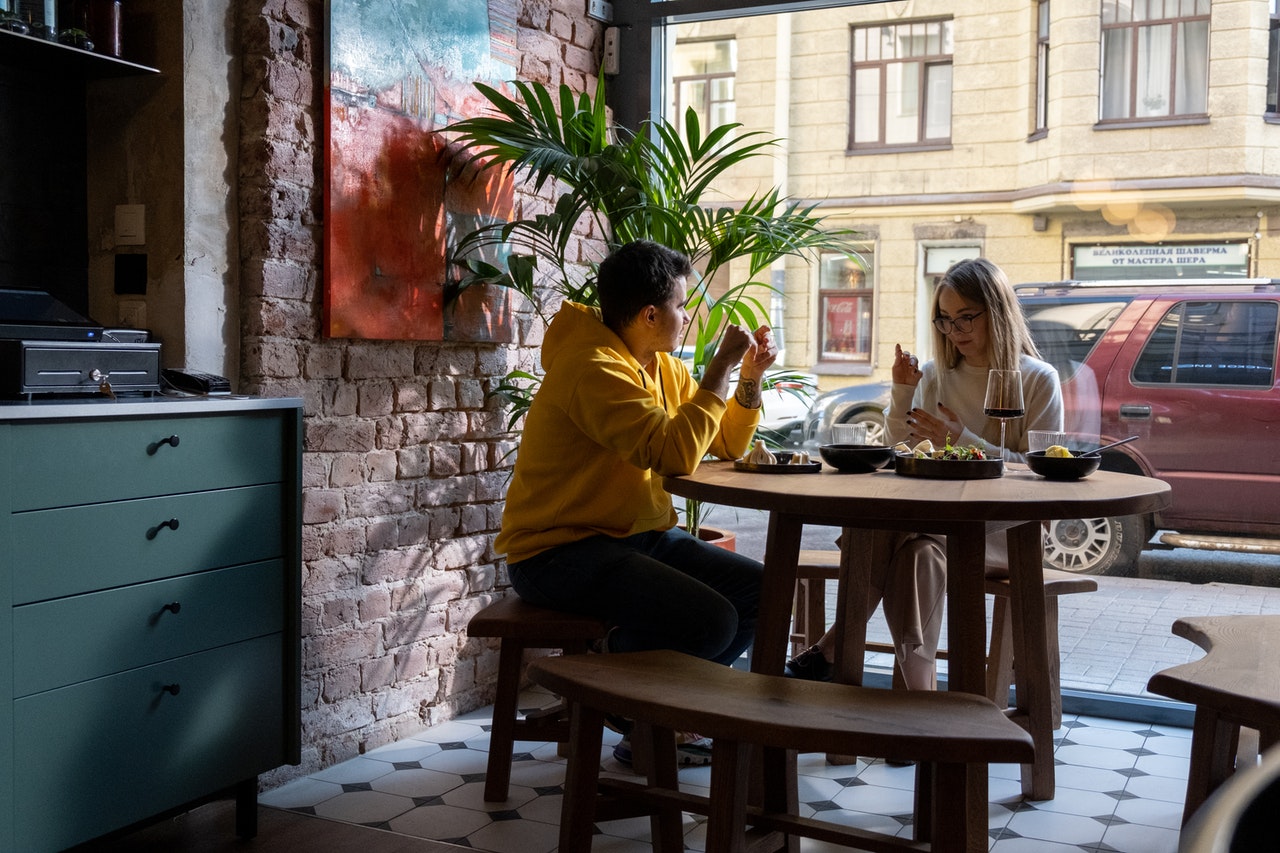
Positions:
(762, 461)
(947, 463)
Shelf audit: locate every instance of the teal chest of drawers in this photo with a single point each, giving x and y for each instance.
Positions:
(149, 624)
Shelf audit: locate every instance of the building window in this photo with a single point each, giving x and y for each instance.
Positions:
(845, 297)
(1155, 59)
(901, 85)
(703, 79)
(1273, 61)
(1042, 66)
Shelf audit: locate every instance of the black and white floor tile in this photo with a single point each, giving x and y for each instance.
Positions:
(1120, 788)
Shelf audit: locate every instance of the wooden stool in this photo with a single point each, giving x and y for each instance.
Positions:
(519, 626)
(951, 736)
(1235, 685)
(809, 615)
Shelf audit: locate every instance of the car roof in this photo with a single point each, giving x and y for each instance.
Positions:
(1157, 285)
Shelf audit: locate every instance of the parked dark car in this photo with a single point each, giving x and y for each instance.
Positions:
(1190, 367)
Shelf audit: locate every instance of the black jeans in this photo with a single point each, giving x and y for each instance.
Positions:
(663, 590)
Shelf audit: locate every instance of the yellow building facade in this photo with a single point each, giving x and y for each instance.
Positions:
(1060, 139)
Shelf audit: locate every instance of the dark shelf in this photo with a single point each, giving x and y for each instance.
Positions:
(37, 54)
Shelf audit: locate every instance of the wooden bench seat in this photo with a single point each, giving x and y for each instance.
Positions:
(951, 736)
(1235, 685)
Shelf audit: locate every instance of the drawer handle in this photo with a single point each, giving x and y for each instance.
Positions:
(172, 441)
(172, 689)
(173, 606)
(172, 524)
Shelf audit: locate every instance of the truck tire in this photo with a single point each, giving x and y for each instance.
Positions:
(1096, 546)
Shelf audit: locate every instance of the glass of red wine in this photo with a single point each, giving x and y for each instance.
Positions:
(1004, 400)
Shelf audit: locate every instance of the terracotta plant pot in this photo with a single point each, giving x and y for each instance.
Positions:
(720, 538)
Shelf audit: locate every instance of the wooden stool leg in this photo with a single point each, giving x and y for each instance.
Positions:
(502, 734)
(960, 808)
(577, 811)
(654, 747)
(1054, 660)
(1000, 655)
(727, 811)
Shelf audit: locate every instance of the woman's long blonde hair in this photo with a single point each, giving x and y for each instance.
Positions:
(1008, 338)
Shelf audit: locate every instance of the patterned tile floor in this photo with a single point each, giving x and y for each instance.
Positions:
(1120, 787)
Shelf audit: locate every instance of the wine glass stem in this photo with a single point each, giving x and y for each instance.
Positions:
(1003, 452)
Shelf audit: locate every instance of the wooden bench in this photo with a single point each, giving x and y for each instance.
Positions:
(1235, 685)
(519, 626)
(952, 737)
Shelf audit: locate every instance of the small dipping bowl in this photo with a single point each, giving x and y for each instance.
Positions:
(856, 458)
(1063, 467)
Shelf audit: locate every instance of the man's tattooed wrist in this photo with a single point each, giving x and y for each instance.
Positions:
(748, 393)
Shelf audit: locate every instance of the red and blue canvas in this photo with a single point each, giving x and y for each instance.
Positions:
(400, 71)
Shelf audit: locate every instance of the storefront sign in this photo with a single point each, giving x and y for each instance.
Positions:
(1146, 261)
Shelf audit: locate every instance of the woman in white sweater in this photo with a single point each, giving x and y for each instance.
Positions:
(978, 326)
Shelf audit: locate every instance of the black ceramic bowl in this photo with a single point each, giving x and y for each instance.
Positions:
(856, 458)
(1063, 467)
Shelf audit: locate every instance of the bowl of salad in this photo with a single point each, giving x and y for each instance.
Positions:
(952, 462)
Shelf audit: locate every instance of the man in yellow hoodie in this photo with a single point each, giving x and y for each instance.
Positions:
(588, 527)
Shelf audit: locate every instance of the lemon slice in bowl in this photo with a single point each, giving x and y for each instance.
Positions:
(1058, 450)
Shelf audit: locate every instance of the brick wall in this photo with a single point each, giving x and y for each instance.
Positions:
(404, 460)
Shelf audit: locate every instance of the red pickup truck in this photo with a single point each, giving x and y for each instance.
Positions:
(1190, 368)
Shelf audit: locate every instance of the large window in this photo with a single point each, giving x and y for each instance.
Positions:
(703, 79)
(846, 306)
(901, 85)
(1155, 59)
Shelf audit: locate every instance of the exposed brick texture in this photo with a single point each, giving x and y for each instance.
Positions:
(405, 459)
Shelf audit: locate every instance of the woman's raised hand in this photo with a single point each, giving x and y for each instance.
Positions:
(906, 367)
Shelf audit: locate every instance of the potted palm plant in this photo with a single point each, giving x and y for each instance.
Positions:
(653, 183)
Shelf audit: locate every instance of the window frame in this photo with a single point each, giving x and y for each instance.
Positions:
(862, 295)
(704, 110)
(924, 62)
(1132, 72)
(1040, 92)
(1272, 112)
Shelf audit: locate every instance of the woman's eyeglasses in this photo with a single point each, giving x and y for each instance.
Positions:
(962, 323)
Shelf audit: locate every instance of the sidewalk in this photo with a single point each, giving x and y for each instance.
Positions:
(1112, 640)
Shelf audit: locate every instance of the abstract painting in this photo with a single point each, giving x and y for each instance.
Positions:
(399, 71)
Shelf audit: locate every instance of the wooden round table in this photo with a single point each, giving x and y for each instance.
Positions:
(965, 511)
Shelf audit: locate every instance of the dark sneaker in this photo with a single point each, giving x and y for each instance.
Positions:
(692, 750)
(810, 665)
(622, 750)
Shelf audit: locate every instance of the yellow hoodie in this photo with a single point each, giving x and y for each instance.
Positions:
(600, 435)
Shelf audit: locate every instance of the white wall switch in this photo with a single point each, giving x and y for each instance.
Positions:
(601, 10)
(131, 224)
(609, 63)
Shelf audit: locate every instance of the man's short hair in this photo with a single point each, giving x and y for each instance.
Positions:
(638, 274)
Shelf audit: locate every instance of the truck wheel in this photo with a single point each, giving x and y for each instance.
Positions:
(1095, 546)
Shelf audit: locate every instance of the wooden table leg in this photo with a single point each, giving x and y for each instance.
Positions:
(768, 655)
(1031, 655)
(1213, 757)
(773, 626)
